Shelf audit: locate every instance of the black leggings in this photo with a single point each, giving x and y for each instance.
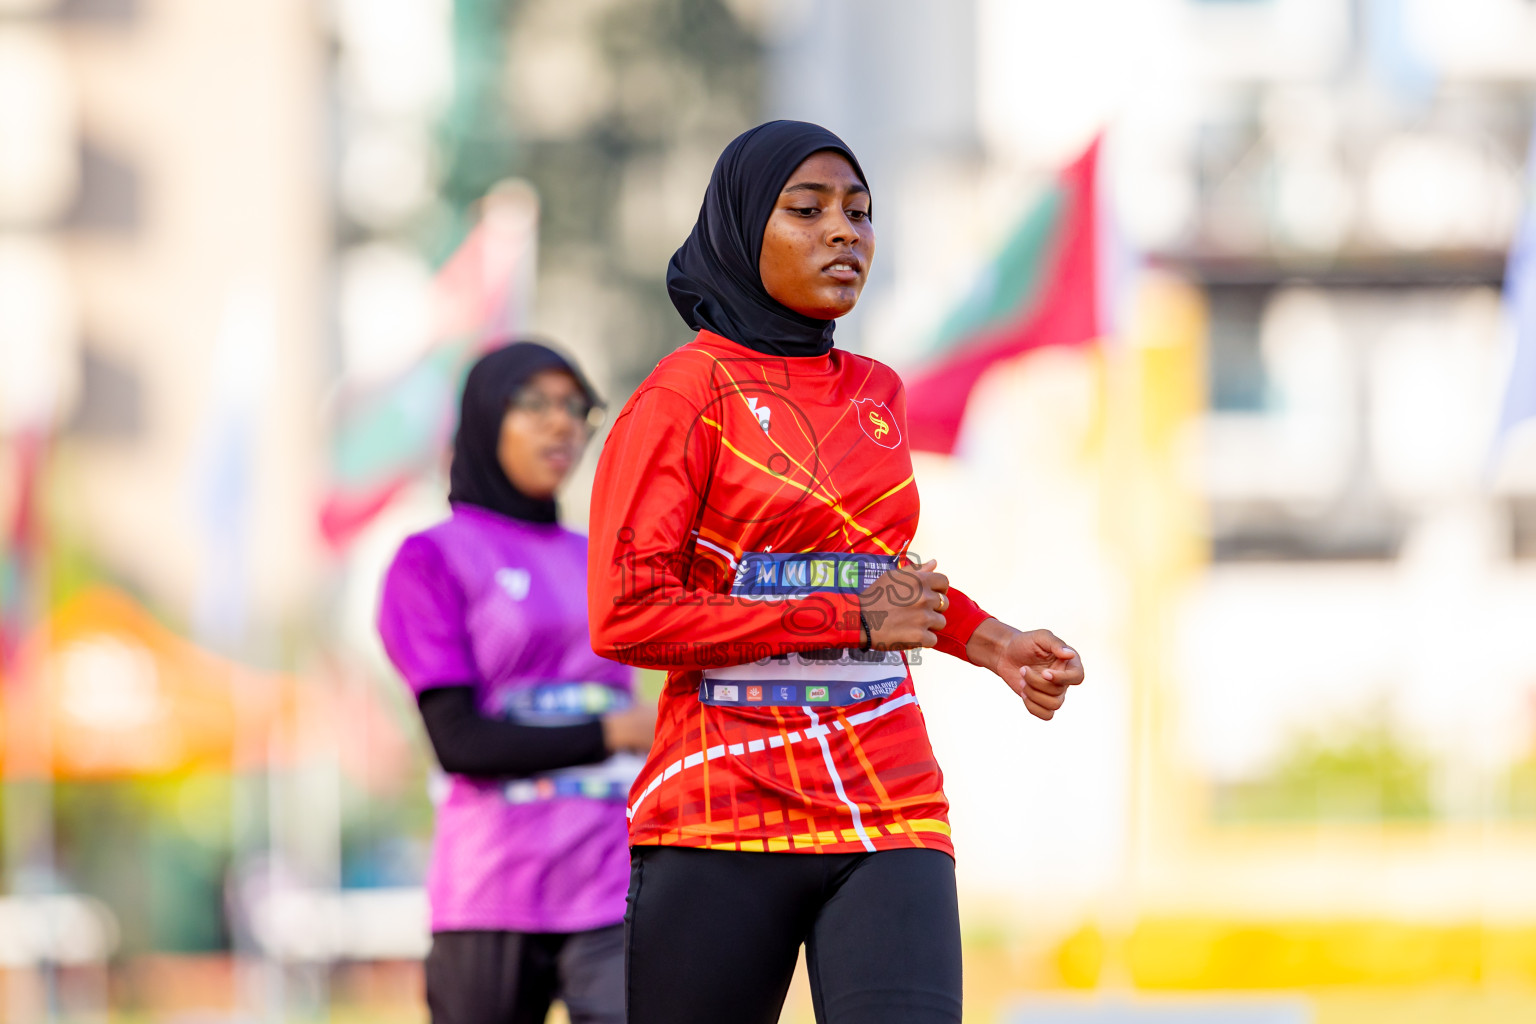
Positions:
(711, 936)
(512, 977)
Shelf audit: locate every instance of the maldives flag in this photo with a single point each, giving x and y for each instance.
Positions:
(20, 542)
(1045, 288)
(389, 434)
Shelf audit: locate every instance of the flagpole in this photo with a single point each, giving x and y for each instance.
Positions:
(222, 495)
(29, 840)
(1155, 387)
(1519, 401)
(11, 618)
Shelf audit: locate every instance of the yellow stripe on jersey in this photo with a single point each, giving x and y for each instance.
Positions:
(835, 506)
(826, 484)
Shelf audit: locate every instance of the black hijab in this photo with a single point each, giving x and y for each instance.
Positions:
(713, 277)
(476, 477)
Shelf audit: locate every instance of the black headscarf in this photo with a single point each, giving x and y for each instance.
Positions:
(713, 277)
(476, 477)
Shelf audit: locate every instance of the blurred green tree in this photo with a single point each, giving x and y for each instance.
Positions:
(1520, 788)
(599, 104)
(1363, 773)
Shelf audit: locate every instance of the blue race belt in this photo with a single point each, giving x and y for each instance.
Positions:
(762, 574)
(568, 703)
(832, 676)
(608, 781)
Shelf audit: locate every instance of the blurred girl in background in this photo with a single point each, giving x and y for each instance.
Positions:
(485, 616)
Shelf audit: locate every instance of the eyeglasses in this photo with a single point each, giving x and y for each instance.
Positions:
(537, 403)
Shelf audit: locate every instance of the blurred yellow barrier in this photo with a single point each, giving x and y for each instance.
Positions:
(1190, 953)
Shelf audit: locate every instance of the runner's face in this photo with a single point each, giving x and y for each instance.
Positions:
(541, 437)
(819, 241)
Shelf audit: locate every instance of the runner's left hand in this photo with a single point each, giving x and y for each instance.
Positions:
(1036, 665)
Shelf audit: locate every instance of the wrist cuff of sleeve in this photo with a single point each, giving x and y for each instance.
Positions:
(960, 621)
(974, 616)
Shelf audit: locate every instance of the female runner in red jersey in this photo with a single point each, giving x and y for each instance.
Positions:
(750, 523)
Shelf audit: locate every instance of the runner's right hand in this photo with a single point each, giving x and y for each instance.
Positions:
(903, 606)
(631, 729)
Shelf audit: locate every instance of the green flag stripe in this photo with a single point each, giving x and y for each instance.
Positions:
(401, 428)
(1012, 281)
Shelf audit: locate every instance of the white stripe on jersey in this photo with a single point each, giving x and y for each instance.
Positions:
(774, 742)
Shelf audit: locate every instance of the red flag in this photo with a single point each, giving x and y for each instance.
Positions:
(397, 431)
(1043, 289)
(343, 516)
(23, 539)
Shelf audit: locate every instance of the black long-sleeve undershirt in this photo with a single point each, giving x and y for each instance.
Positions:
(468, 743)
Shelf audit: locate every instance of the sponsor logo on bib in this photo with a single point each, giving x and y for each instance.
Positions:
(754, 693)
(725, 693)
(856, 692)
(763, 575)
(817, 693)
(823, 572)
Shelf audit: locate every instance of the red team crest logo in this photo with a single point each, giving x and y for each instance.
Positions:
(877, 421)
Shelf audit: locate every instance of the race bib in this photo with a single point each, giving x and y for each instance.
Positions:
(831, 676)
(608, 780)
(567, 703)
(558, 703)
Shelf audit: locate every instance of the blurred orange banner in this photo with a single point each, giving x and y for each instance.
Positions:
(103, 690)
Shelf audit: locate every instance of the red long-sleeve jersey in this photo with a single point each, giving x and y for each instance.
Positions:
(741, 503)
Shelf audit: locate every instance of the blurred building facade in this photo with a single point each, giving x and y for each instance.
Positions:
(166, 254)
(164, 226)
